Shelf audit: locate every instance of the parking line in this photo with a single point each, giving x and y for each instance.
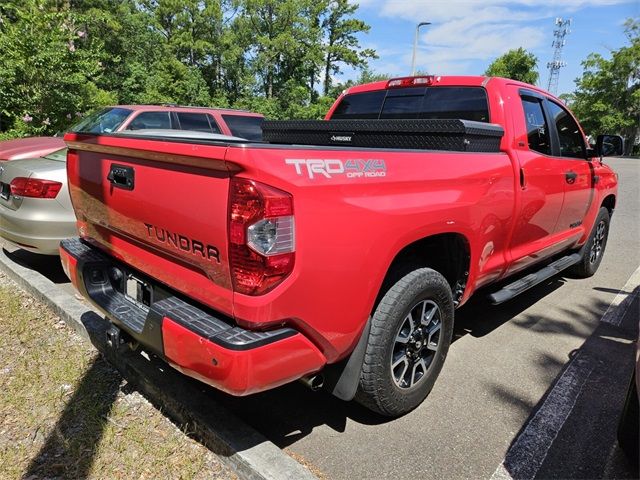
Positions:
(622, 301)
(528, 452)
(526, 455)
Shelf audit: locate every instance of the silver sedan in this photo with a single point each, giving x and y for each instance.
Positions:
(35, 207)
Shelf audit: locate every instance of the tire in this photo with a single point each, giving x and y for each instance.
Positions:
(594, 248)
(417, 350)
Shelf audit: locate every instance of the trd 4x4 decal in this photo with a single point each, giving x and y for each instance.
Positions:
(328, 168)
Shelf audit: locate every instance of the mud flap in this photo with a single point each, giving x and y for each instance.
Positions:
(342, 379)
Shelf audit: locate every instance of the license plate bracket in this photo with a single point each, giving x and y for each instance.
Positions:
(138, 292)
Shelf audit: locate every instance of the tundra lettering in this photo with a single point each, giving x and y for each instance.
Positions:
(183, 243)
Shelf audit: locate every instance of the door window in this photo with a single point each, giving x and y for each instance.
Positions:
(150, 120)
(569, 135)
(197, 122)
(537, 128)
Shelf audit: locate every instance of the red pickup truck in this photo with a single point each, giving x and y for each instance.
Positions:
(336, 251)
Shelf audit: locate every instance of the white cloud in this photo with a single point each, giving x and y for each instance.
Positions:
(465, 31)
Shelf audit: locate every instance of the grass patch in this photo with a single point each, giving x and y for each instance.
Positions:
(66, 413)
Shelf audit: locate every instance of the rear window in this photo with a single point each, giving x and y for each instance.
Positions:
(244, 126)
(360, 105)
(466, 103)
(104, 121)
(197, 122)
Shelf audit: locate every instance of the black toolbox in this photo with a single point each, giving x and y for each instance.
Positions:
(414, 134)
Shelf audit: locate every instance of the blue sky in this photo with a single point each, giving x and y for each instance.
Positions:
(466, 35)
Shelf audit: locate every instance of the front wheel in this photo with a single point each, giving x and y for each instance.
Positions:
(410, 335)
(594, 248)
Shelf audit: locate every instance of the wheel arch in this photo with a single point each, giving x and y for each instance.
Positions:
(448, 253)
(609, 203)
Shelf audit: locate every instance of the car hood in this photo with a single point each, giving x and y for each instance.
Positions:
(29, 147)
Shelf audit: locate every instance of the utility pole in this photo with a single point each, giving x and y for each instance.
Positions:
(554, 66)
(415, 46)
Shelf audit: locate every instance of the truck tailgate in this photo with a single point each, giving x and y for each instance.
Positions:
(157, 209)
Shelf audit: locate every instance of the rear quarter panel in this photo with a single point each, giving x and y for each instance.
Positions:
(349, 230)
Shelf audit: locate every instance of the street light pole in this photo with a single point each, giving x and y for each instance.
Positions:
(415, 47)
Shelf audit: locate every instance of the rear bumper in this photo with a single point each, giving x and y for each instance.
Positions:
(198, 342)
(36, 231)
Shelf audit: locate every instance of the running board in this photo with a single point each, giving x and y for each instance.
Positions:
(533, 279)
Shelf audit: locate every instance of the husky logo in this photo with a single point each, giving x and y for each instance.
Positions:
(341, 138)
(328, 168)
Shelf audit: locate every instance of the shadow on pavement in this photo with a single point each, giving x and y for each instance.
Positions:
(289, 413)
(478, 317)
(584, 444)
(48, 266)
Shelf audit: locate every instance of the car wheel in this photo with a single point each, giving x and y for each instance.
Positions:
(594, 248)
(410, 335)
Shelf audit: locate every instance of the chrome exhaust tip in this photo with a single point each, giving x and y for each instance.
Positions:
(313, 382)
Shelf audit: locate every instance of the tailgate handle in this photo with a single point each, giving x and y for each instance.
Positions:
(121, 176)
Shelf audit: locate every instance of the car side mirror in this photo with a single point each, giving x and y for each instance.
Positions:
(609, 145)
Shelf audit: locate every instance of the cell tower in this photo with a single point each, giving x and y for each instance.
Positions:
(554, 66)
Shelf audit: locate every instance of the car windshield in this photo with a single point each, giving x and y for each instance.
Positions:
(104, 121)
(58, 155)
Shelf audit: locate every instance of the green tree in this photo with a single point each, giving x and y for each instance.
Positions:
(517, 64)
(607, 97)
(342, 45)
(130, 47)
(48, 71)
(62, 57)
(368, 76)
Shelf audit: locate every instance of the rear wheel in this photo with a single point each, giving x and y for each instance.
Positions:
(410, 335)
(594, 248)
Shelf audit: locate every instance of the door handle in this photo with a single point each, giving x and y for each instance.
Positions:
(570, 177)
(121, 176)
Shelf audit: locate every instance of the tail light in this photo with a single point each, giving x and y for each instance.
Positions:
(261, 236)
(34, 188)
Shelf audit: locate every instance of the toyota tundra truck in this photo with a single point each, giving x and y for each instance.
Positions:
(337, 251)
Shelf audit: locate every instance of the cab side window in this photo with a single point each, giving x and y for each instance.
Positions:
(197, 122)
(151, 120)
(537, 128)
(569, 135)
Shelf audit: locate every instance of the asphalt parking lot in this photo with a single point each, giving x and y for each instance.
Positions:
(530, 389)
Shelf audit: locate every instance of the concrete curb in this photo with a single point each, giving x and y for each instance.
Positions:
(185, 401)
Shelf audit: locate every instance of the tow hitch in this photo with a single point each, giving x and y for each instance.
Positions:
(117, 339)
(114, 337)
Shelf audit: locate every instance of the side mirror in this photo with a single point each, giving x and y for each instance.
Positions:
(609, 145)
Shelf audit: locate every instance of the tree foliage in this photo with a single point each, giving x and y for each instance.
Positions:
(517, 64)
(59, 58)
(48, 72)
(607, 97)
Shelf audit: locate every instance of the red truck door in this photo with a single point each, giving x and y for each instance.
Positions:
(542, 182)
(570, 151)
